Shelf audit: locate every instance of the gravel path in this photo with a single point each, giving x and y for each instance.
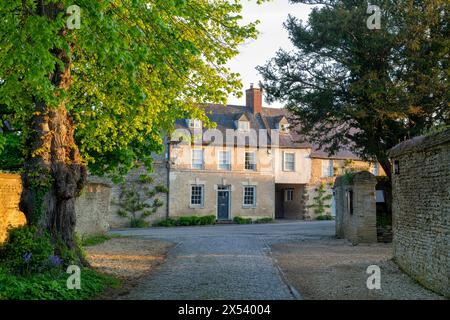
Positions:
(215, 268)
(273, 261)
(222, 262)
(334, 269)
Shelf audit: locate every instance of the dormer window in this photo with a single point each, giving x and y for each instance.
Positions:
(243, 125)
(284, 127)
(195, 123)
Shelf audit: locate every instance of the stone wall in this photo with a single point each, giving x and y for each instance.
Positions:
(421, 209)
(92, 209)
(359, 224)
(181, 181)
(10, 191)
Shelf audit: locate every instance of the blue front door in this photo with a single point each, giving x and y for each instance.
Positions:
(223, 203)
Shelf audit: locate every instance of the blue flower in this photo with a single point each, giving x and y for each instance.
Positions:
(27, 257)
(55, 260)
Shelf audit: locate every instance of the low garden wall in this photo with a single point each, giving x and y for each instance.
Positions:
(92, 208)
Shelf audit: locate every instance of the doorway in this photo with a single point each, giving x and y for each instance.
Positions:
(223, 203)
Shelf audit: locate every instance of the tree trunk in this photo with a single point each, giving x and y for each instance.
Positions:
(386, 165)
(54, 173)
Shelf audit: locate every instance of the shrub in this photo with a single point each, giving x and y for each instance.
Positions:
(134, 201)
(240, 220)
(53, 286)
(187, 221)
(205, 220)
(325, 217)
(138, 223)
(166, 223)
(25, 251)
(264, 220)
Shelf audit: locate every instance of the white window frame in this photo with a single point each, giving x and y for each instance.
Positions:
(327, 168)
(284, 161)
(202, 196)
(219, 163)
(202, 159)
(288, 195)
(243, 128)
(249, 205)
(253, 163)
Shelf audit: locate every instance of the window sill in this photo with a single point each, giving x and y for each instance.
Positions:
(193, 206)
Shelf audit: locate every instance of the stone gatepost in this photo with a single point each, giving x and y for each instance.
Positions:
(356, 212)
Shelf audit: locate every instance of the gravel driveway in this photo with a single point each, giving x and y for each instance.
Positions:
(335, 269)
(223, 262)
(257, 261)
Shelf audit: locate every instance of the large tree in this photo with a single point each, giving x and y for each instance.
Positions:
(100, 97)
(350, 85)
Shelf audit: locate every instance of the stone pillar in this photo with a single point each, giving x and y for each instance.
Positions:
(356, 212)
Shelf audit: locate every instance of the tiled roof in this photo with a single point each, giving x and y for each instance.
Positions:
(225, 117)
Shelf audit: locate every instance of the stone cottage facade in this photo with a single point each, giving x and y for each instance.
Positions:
(252, 165)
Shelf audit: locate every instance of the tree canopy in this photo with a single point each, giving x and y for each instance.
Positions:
(369, 89)
(137, 65)
(101, 96)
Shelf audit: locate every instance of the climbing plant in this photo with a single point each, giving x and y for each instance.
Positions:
(137, 201)
(320, 203)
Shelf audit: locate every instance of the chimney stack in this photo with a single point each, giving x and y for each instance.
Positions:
(254, 99)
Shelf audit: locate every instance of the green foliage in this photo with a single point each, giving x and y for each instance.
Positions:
(348, 177)
(135, 69)
(11, 146)
(364, 89)
(240, 220)
(264, 220)
(53, 285)
(97, 239)
(25, 251)
(139, 223)
(325, 217)
(169, 222)
(436, 129)
(134, 202)
(320, 201)
(187, 221)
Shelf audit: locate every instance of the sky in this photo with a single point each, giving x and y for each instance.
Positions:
(272, 36)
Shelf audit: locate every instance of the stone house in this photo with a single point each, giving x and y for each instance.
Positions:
(251, 164)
